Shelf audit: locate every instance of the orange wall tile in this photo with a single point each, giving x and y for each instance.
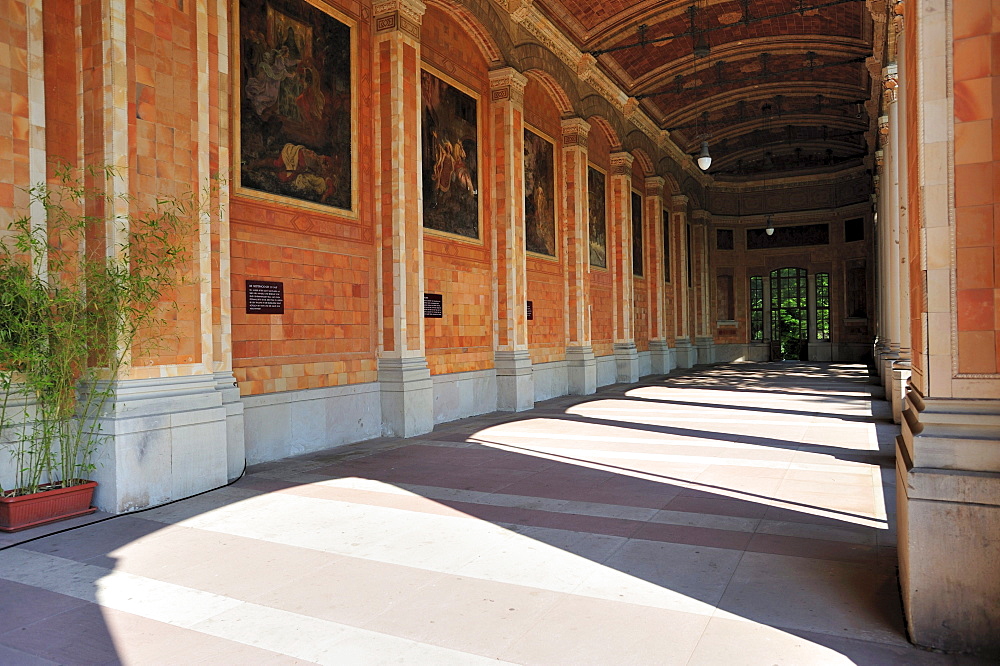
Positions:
(977, 163)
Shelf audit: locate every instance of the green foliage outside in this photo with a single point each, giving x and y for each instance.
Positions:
(70, 317)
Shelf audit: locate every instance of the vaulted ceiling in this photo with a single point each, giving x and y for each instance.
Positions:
(774, 86)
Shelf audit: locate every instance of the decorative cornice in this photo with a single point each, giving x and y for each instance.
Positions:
(621, 163)
(519, 9)
(575, 132)
(404, 15)
(654, 186)
(507, 83)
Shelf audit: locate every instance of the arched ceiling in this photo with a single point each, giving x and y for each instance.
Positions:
(774, 86)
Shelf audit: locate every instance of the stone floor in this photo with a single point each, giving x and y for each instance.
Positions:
(741, 514)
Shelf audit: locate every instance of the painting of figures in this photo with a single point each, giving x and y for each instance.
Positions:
(450, 158)
(636, 234)
(295, 103)
(539, 195)
(598, 221)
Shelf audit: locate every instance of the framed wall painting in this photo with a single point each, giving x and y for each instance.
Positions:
(637, 243)
(539, 194)
(597, 201)
(450, 152)
(295, 104)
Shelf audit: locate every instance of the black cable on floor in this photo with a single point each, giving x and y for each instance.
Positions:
(130, 513)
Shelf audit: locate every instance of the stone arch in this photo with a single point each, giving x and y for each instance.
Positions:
(670, 184)
(599, 112)
(679, 181)
(484, 28)
(642, 149)
(549, 71)
(552, 87)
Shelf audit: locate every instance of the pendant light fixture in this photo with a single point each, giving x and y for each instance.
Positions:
(766, 114)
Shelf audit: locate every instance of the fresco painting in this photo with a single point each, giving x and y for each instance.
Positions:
(539, 195)
(597, 209)
(295, 103)
(450, 158)
(636, 234)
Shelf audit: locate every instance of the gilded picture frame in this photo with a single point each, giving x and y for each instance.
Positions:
(540, 231)
(450, 177)
(295, 104)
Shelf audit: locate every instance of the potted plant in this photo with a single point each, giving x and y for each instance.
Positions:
(74, 305)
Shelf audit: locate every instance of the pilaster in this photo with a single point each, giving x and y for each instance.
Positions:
(685, 352)
(515, 385)
(620, 253)
(653, 216)
(407, 391)
(701, 299)
(580, 360)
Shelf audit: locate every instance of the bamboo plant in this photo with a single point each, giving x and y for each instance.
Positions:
(73, 310)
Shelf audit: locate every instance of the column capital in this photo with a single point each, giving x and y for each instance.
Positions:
(654, 186)
(879, 158)
(701, 216)
(679, 201)
(506, 83)
(575, 132)
(898, 14)
(890, 81)
(883, 125)
(405, 15)
(621, 163)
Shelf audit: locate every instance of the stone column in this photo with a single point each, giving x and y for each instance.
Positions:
(901, 367)
(881, 258)
(164, 426)
(686, 355)
(405, 380)
(515, 383)
(890, 186)
(620, 253)
(581, 365)
(653, 216)
(702, 310)
(948, 454)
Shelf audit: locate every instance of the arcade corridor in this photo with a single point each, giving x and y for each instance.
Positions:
(737, 514)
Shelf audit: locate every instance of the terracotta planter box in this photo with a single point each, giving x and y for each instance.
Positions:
(47, 506)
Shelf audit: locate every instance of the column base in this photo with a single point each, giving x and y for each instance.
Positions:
(888, 358)
(705, 347)
(626, 362)
(686, 354)
(948, 496)
(164, 439)
(515, 381)
(407, 396)
(581, 370)
(659, 357)
(225, 383)
(897, 393)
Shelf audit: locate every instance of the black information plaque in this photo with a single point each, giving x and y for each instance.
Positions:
(433, 306)
(531, 311)
(265, 297)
